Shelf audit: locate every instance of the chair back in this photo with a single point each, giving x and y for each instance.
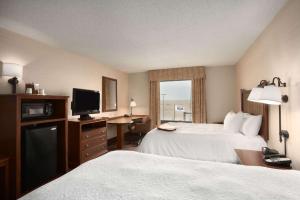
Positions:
(141, 125)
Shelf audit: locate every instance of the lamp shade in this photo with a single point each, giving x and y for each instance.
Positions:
(132, 103)
(271, 95)
(11, 70)
(255, 94)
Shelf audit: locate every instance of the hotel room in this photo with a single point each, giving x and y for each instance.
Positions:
(147, 99)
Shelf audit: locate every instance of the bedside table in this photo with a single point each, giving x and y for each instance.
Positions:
(4, 178)
(254, 158)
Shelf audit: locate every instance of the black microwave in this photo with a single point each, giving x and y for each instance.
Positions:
(36, 110)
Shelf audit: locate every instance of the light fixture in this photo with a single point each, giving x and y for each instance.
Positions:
(132, 104)
(255, 94)
(269, 93)
(12, 70)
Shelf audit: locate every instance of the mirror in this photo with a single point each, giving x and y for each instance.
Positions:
(109, 89)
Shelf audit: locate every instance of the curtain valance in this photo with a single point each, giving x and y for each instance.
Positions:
(183, 73)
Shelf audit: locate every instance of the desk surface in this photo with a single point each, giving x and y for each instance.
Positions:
(123, 120)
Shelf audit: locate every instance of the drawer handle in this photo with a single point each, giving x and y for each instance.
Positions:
(87, 145)
(102, 131)
(103, 139)
(86, 136)
(87, 154)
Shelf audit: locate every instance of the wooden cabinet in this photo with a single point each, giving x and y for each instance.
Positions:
(12, 126)
(87, 140)
(4, 178)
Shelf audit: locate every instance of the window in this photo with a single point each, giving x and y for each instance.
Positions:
(176, 101)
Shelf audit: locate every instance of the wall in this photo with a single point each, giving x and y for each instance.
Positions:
(57, 70)
(277, 53)
(220, 92)
(138, 84)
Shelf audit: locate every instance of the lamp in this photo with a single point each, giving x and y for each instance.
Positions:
(12, 70)
(269, 93)
(132, 104)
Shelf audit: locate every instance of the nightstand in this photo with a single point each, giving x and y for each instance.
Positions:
(254, 158)
(4, 178)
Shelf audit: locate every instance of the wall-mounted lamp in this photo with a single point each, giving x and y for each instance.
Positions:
(269, 93)
(12, 70)
(132, 104)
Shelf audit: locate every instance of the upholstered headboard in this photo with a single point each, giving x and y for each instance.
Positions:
(256, 109)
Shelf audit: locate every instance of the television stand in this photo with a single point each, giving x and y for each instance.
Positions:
(87, 140)
(85, 117)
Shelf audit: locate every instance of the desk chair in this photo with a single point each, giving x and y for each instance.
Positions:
(140, 127)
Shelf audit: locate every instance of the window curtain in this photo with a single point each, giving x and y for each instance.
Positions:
(198, 100)
(196, 74)
(154, 103)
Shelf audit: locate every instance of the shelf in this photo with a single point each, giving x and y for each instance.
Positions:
(42, 121)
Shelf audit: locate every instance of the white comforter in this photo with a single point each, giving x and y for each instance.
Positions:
(122, 175)
(209, 142)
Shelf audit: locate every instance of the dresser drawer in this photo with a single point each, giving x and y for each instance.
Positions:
(93, 133)
(93, 152)
(94, 141)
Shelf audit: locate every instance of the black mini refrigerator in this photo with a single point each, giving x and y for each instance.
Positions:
(39, 156)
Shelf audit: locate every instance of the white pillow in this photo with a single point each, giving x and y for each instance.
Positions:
(233, 122)
(251, 125)
(245, 115)
(229, 117)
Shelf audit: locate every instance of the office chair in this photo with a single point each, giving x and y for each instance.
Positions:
(140, 127)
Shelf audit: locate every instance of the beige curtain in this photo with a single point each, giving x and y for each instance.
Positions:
(154, 103)
(184, 73)
(198, 100)
(196, 74)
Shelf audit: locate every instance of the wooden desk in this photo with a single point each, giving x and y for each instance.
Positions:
(119, 122)
(4, 178)
(254, 158)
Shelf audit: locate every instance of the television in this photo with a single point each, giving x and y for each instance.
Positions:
(85, 102)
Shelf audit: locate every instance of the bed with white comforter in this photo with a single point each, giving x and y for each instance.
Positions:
(209, 142)
(125, 175)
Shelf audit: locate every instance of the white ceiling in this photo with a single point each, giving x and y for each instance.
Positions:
(138, 35)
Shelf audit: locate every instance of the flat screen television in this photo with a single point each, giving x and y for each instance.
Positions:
(85, 102)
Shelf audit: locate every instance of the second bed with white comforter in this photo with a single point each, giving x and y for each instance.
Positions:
(209, 142)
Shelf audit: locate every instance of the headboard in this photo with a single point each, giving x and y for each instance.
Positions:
(256, 109)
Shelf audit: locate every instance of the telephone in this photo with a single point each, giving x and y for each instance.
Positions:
(267, 151)
(272, 157)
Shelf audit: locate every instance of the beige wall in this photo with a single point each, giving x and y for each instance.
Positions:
(58, 71)
(220, 92)
(138, 89)
(277, 53)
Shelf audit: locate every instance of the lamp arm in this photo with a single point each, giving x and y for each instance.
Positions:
(263, 83)
(280, 136)
(279, 82)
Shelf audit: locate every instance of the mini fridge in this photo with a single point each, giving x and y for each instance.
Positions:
(39, 156)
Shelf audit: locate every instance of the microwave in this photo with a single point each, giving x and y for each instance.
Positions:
(36, 110)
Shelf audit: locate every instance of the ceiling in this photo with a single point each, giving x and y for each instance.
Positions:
(138, 35)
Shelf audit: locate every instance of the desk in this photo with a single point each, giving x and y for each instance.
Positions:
(254, 158)
(119, 122)
(4, 178)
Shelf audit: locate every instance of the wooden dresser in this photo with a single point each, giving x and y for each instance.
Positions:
(87, 140)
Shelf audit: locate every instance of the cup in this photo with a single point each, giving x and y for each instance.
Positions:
(42, 91)
(28, 90)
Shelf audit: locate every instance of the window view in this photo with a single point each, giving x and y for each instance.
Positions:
(176, 101)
